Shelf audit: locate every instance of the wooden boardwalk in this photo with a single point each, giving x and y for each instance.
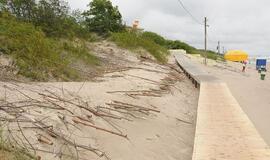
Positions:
(223, 130)
(196, 74)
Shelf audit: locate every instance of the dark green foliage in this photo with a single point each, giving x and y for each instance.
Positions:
(180, 45)
(22, 9)
(169, 44)
(103, 17)
(209, 54)
(36, 56)
(40, 35)
(157, 45)
(134, 41)
(52, 16)
(192, 50)
(34, 53)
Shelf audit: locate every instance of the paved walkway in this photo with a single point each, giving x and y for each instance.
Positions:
(193, 70)
(223, 130)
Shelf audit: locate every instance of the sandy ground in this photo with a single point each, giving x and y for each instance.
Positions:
(167, 135)
(252, 93)
(111, 59)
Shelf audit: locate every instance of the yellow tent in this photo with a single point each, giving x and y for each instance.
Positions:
(236, 56)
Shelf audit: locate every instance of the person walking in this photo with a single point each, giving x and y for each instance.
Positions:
(244, 66)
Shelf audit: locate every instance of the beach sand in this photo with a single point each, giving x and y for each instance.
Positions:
(251, 92)
(152, 136)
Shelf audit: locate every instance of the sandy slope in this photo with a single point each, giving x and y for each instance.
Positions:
(252, 93)
(157, 136)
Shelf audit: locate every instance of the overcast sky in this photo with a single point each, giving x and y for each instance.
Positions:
(238, 24)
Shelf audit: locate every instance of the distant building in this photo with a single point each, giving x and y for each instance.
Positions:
(135, 24)
(135, 27)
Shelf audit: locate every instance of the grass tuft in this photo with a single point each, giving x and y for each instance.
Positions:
(39, 57)
(135, 41)
(209, 54)
(11, 152)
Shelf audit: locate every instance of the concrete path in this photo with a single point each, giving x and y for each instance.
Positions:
(223, 130)
(248, 89)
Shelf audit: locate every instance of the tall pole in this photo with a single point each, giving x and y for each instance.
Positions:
(205, 39)
(218, 47)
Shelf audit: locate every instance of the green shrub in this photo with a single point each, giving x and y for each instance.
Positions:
(180, 45)
(192, 50)
(52, 16)
(155, 37)
(37, 56)
(102, 17)
(134, 41)
(209, 54)
(80, 51)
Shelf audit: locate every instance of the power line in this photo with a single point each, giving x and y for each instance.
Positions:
(193, 17)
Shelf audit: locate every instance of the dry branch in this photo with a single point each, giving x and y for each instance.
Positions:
(44, 139)
(184, 121)
(69, 110)
(130, 106)
(78, 121)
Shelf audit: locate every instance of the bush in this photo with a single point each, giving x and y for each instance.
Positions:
(134, 41)
(180, 45)
(102, 17)
(37, 56)
(209, 54)
(52, 16)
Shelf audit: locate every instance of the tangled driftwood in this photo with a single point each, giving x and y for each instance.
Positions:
(19, 116)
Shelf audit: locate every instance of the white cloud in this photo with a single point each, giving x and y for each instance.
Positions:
(238, 24)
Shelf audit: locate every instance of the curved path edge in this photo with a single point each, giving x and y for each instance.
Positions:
(223, 130)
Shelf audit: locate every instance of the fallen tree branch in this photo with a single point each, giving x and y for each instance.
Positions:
(78, 121)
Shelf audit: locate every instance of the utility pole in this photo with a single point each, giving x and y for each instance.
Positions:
(223, 50)
(218, 47)
(205, 39)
